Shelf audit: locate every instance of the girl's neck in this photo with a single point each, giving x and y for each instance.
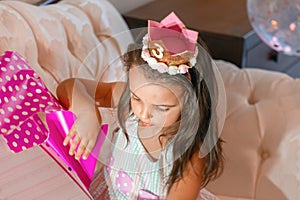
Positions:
(151, 141)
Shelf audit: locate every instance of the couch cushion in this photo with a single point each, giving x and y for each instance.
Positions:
(261, 134)
(72, 38)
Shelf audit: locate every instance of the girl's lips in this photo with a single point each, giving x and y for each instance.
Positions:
(144, 123)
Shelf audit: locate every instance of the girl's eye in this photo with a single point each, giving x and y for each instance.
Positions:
(135, 98)
(163, 108)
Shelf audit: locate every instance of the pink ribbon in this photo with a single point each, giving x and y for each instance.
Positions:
(23, 96)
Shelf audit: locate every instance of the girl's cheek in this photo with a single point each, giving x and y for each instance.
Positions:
(159, 118)
(168, 119)
(135, 108)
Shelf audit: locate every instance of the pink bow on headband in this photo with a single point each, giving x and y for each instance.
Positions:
(173, 33)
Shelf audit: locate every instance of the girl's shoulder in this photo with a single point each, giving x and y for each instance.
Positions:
(206, 195)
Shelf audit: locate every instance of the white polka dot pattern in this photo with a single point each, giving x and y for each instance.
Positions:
(22, 96)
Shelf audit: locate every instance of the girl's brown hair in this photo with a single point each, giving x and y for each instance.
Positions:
(188, 134)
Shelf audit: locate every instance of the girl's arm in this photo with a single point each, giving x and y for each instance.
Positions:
(189, 186)
(100, 93)
(82, 97)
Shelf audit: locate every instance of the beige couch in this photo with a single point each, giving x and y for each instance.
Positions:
(262, 135)
(262, 129)
(74, 38)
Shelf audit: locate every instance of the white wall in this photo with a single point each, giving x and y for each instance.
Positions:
(127, 5)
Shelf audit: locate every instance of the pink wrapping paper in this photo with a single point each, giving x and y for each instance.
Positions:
(23, 96)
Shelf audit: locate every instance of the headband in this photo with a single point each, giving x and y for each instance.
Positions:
(169, 46)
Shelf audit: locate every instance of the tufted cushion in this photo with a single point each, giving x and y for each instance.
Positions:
(72, 38)
(35, 2)
(262, 135)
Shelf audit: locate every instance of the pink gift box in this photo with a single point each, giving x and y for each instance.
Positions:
(24, 98)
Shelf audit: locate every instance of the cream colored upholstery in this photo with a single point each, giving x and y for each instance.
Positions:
(34, 2)
(262, 128)
(262, 135)
(73, 38)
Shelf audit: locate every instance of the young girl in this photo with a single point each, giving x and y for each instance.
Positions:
(167, 144)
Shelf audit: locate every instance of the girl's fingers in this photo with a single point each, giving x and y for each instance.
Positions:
(74, 144)
(81, 148)
(78, 146)
(87, 151)
(86, 154)
(69, 136)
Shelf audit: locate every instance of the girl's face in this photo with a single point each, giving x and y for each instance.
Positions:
(153, 104)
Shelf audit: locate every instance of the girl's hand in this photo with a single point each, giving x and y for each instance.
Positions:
(80, 96)
(83, 134)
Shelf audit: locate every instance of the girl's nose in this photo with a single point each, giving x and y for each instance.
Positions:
(145, 113)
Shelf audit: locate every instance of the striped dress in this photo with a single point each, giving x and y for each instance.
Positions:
(131, 174)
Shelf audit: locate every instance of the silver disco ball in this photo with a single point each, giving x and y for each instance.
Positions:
(277, 23)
